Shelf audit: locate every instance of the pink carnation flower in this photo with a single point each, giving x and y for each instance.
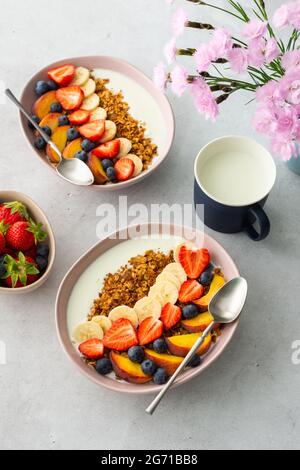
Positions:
(289, 86)
(204, 56)
(269, 94)
(284, 147)
(264, 120)
(291, 59)
(179, 80)
(295, 14)
(287, 121)
(179, 22)
(256, 50)
(221, 42)
(238, 58)
(271, 50)
(170, 50)
(160, 76)
(255, 29)
(281, 16)
(204, 99)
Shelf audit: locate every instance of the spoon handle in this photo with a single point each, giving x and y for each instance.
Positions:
(12, 97)
(151, 408)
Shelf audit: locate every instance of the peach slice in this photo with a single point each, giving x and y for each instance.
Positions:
(217, 282)
(198, 323)
(72, 148)
(96, 168)
(42, 106)
(50, 120)
(59, 137)
(128, 370)
(167, 361)
(180, 345)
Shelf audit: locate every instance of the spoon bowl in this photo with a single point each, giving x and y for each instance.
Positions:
(228, 302)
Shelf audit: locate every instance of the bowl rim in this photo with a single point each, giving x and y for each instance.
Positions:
(170, 120)
(113, 385)
(17, 195)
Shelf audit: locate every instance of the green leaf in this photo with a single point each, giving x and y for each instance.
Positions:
(32, 270)
(22, 258)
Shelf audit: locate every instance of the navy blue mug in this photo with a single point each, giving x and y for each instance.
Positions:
(233, 178)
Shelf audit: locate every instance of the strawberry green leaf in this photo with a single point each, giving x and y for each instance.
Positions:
(16, 206)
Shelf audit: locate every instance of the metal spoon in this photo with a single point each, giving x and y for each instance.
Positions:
(70, 169)
(225, 307)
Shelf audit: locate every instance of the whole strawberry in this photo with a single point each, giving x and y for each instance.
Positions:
(12, 212)
(24, 235)
(3, 230)
(20, 272)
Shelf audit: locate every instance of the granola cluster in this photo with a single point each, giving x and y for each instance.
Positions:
(128, 127)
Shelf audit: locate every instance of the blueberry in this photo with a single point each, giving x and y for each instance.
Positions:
(160, 377)
(195, 361)
(42, 250)
(40, 143)
(111, 174)
(47, 130)
(56, 108)
(2, 267)
(36, 119)
(82, 155)
(136, 354)
(73, 134)
(148, 367)
(87, 145)
(63, 120)
(206, 277)
(160, 345)
(189, 311)
(52, 85)
(104, 366)
(41, 87)
(41, 262)
(106, 163)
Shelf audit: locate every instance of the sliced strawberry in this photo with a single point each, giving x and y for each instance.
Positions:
(170, 315)
(149, 330)
(121, 336)
(93, 130)
(70, 97)
(108, 150)
(92, 348)
(79, 117)
(62, 75)
(194, 262)
(190, 290)
(124, 169)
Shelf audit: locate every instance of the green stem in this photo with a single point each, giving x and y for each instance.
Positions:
(199, 2)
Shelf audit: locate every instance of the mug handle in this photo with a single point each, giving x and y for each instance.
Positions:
(257, 213)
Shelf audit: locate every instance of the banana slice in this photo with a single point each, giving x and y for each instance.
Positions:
(177, 270)
(125, 147)
(102, 321)
(147, 307)
(165, 292)
(124, 312)
(98, 113)
(91, 102)
(178, 247)
(169, 277)
(87, 330)
(81, 76)
(138, 164)
(89, 87)
(110, 132)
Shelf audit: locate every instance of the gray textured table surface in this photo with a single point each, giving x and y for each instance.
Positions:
(250, 397)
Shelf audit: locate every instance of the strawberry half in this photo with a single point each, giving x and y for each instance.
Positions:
(194, 262)
(20, 272)
(124, 169)
(79, 117)
(190, 290)
(70, 97)
(121, 336)
(108, 150)
(170, 315)
(62, 75)
(93, 130)
(149, 330)
(23, 235)
(11, 212)
(92, 348)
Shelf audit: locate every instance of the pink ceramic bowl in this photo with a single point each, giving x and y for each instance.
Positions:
(38, 215)
(146, 92)
(219, 256)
